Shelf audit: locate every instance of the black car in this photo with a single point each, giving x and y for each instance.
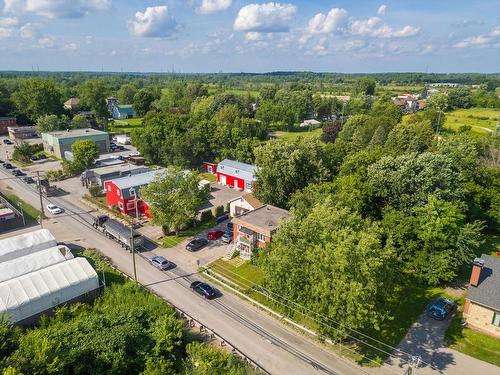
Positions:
(18, 173)
(203, 289)
(34, 158)
(196, 244)
(7, 142)
(8, 166)
(28, 180)
(2, 162)
(42, 157)
(230, 226)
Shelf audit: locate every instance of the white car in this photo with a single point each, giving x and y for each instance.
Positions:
(54, 210)
(132, 154)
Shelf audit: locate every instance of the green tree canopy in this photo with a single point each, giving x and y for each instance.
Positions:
(50, 123)
(37, 97)
(93, 95)
(85, 152)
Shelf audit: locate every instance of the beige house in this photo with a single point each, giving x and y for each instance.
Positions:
(245, 203)
(72, 104)
(482, 304)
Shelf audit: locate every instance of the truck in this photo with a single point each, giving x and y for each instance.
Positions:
(122, 139)
(118, 232)
(47, 189)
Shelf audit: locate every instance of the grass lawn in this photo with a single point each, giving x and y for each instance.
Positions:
(208, 176)
(476, 344)
(124, 126)
(173, 240)
(292, 136)
(30, 212)
(482, 120)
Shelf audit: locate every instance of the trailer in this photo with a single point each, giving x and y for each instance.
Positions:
(118, 232)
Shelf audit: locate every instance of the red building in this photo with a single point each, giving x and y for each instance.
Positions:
(6, 122)
(210, 167)
(235, 174)
(120, 193)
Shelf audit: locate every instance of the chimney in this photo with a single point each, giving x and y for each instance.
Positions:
(476, 271)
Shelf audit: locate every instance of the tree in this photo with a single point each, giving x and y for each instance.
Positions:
(438, 102)
(285, 167)
(342, 263)
(50, 123)
(37, 97)
(415, 137)
(203, 359)
(9, 340)
(126, 93)
(459, 98)
(174, 198)
(365, 86)
(142, 101)
(79, 122)
(85, 152)
(22, 152)
(331, 131)
(93, 95)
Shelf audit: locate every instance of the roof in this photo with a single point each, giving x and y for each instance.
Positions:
(36, 292)
(125, 109)
(237, 169)
(266, 218)
(71, 133)
(487, 292)
(72, 102)
(5, 118)
(252, 200)
(310, 122)
(120, 168)
(137, 180)
(24, 244)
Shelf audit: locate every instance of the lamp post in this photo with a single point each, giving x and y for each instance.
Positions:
(132, 191)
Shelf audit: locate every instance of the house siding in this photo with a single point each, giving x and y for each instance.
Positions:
(237, 183)
(480, 318)
(126, 206)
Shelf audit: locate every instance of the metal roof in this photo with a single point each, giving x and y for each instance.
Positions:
(487, 292)
(237, 169)
(71, 133)
(137, 180)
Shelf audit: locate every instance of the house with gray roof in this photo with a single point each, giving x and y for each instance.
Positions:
(235, 174)
(482, 304)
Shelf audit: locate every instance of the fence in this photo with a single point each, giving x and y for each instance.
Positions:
(12, 223)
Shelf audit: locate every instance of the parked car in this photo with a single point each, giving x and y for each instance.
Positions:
(54, 210)
(222, 218)
(230, 226)
(441, 308)
(160, 262)
(203, 289)
(8, 166)
(17, 172)
(34, 158)
(28, 180)
(227, 237)
(196, 244)
(43, 156)
(214, 235)
(2, 162)
(7, 142)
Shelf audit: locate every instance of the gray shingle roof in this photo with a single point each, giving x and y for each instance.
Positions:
(487, 293)
(237, 169)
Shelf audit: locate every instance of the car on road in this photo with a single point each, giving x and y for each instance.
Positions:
(7, 142)
(214, 235)
(227, 237)
(196, 244)
(203, 289)
(8, 166)
(17, 172)
(28, 180)
(160, 262)
(54, 210)
(441, 308)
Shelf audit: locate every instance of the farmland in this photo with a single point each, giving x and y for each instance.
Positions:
(481, 120)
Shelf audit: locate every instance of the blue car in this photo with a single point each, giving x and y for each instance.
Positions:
(441, 308)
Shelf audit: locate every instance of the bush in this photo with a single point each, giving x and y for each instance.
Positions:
(56, 175)
(206, 216)
(95, 190)
(219, 210)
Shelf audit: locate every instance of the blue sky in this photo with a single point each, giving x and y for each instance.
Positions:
(250, 36)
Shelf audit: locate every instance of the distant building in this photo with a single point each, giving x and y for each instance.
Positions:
(444, 84)
(58, 142)
(5, 122)
(22, 132)
(236, 174)
(123, 112)
(482, 304)
(72, 104)
(254, 229)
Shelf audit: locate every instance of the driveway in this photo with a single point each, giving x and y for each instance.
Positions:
(220, 195)
(426, 339)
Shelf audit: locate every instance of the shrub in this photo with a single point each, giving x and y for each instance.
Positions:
(206, 216)
(56, 175)
(95, 190)
(219, 210)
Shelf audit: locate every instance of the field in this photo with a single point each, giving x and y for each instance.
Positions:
(292, 136)
(124, 126)
(482, 120)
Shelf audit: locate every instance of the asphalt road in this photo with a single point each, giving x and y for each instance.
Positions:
(275, 347)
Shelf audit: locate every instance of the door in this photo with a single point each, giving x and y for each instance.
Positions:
(222, 179)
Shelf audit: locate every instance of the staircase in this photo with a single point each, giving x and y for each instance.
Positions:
(231, 249)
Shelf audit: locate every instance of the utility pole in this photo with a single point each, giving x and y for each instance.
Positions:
(413, 365)
(132, 244)
(42, 214)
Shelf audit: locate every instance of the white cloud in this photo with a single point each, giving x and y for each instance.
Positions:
(268, 18)
(153, 22)
(7, 26)
(212, 6)
(254, 36)
(46, 42)
(319, 49)
(490, 39)
(29, 30)
(381, 10)
(375, 28)
(56, 8)
(327, 23)
(69, 47)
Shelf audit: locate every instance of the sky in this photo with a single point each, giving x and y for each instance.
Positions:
(250, 36)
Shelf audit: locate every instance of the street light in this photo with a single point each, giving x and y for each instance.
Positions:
(132, 191)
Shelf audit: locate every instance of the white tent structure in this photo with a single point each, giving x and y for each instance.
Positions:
(33, 262)
(25, 244)
(25, 297)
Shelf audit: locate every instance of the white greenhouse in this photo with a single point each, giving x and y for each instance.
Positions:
(24, 298)
(33, 262)
(25, 244)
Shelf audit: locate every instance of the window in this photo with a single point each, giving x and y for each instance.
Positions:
(120, 205)
(109, 187)
(496, 319)
(261, 237)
